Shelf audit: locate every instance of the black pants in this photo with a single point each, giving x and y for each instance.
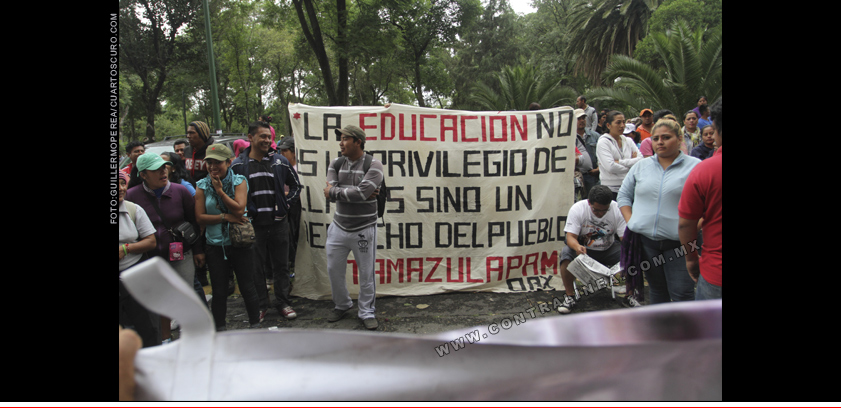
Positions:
(222, 264)
(136, 317)
(294, 218)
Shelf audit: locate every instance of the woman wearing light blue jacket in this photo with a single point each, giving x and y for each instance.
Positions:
(648, 199)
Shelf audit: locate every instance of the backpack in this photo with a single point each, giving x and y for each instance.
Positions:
(382, 197)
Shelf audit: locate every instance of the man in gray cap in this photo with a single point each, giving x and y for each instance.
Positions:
(354, 224)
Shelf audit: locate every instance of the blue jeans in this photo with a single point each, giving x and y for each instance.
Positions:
(273, 242)
(221, 265)
(665, 271)
(707, 291)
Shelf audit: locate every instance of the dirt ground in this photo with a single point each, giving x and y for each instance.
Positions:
(422, 314)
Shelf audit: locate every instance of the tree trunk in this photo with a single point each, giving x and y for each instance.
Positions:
(342, 92)
(419, 85)
(336, 96)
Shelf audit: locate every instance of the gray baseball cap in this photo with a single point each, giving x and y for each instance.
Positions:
(287, 142)
(352, 130)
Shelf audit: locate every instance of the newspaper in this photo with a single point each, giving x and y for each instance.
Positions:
(591, 272)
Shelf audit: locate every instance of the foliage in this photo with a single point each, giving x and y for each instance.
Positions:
(150, 46)
(424, 25)
(603, 28)
(490, 44)
(697, 14)
(465, 54)
(692, 68)
(519, 86)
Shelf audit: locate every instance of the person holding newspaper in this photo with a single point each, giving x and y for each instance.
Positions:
(591, 228)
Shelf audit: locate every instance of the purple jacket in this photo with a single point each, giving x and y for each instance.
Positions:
(177, 205)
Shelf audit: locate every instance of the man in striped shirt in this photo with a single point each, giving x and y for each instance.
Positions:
(354, 225)
(267, 172)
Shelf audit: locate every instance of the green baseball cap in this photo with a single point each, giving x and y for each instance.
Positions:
(218, 151)
(150, 161)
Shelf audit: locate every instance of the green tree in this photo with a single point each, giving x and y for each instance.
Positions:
(242, 53)
(692, 68)
(697, 14)
(308, 12)
(519, 86)
(484, 49)
(604, 28)
(424, 25)
(150, 45)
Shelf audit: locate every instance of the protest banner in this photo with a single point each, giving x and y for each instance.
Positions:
(478, 200)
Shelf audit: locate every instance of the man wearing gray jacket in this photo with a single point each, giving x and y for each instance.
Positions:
(354, 225)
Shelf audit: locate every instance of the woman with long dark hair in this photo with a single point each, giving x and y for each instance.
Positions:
(616, 152)
(221, 199)
(178, 171)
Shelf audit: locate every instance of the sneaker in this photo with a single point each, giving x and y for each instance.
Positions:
(288, 313)
(370, 323)
(167, 341)
(633, 301)
(336, 315)
(257, 324)
(263, 314)
(568, 305)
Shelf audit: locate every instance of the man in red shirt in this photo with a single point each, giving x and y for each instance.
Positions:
(701, 201)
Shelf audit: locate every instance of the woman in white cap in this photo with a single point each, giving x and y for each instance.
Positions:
(221, 199)
(168, 205)
(631, 132)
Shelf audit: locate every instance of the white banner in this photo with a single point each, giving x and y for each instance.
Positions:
(478, 199)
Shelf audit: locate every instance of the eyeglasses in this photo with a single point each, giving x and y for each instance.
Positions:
(598, 210)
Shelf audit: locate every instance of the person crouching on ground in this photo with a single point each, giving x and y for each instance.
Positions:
(590, 229)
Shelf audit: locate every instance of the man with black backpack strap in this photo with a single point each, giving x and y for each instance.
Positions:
(353, 182)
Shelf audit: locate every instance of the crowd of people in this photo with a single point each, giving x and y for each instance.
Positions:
(656, 186)
(204, 210)
(647, 189)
